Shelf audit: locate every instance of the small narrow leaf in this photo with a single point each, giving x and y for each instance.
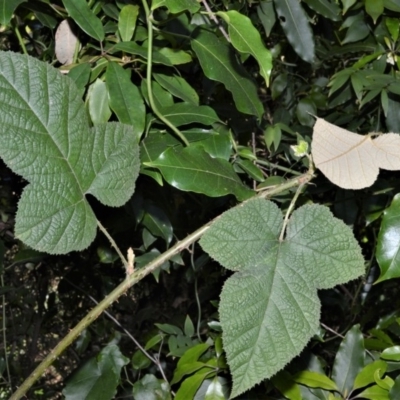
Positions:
(84, 17)
(125, 98)
(98, 378)
(192, 169)
(246, 38)
(177, 6)
(183, 114)
(327, 8)
(315, 380)
(127, 21)
(219, 64)
(134, 48)
(349, 360)
(270, 309)
(374, 8)
(178, 87)
(50, 144)
(388, 247)
(350, 160)
(295, 24)
(98, 102)
(266, 13)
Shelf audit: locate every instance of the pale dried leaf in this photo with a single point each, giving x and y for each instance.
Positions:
(66, 41)
(350, 160)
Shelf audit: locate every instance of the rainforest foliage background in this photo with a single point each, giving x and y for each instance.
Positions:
(162, 116)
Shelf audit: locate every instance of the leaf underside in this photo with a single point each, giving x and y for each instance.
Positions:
(350, 160)
(47, 140)
(269, 308)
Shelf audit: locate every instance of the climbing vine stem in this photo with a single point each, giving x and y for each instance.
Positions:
(131, 280)
(153, 106)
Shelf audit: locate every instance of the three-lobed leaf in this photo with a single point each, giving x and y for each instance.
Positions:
(269, 308)
(47, 140)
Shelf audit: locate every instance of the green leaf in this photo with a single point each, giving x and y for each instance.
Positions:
(216, 390)
(157, 222)
(347, 4)
(250, 169)
(326, 8)
(190, 385)
(7, 9)
(394, 392)
(151, 388)
(127, 21)
(84, 17)
(125, 98)
(246, 38)
(98, 378)
(183, 114)
(367, 375)
(284, 382)
(162, 98)
(50, 144)
(374, 9)
(392, 5)
(134, 48)
(297, 29)
(393, 27)
(140, 360)
(266, 13)
(219, 64)
(315, 380)
(270, 309)
(177, 6)
(388, 246)
(80, 75)
(175, 57)
(357, 31)
(374, 393)
(349, 360)
(189, 363)
(178, 87)
(391, 353)
(189, 327)
(192, 169)
(98, 102)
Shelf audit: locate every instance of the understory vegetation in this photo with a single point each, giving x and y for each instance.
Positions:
(175, 224)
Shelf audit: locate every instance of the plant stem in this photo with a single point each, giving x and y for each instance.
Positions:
(289, 210)
(148, 77)
(20, 39)
(131, 280)
(113, 244)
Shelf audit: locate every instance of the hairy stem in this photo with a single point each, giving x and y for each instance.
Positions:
(131, 280)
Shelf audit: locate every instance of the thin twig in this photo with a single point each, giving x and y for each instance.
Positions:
(141, 348)
(215, 19)
(113, 244)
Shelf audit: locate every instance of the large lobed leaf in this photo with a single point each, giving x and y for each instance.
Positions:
(47, 140)
(269, 308)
